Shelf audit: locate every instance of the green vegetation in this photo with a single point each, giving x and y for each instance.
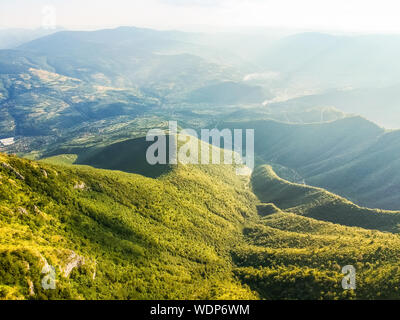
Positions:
(288, 256)
(318, 203)
(193, 233)
(114, 227)
(140, 238)
(127, 156)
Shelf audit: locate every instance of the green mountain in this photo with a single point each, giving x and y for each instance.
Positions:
(287, 256)
(318, 203)
(131, 158)
(351, 157)
(123, 235)
(193, 233)
(114, 227)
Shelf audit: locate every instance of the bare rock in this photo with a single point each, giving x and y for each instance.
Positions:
(9, 168)
(95, 270)
(80, 186)
(46, 267)
(73, 261)
(44, 173)
(31, 288)
(23, 211)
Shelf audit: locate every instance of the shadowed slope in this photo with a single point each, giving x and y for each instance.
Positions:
(352, 157)
(127, 156)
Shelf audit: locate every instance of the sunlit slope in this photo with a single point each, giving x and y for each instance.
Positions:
(288, 256)
(318, 203)
(299, 256)
(129, 237)
(193, 233)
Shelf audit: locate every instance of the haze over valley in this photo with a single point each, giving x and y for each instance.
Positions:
(78, 194)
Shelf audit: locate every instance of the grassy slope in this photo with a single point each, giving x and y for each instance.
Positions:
(304, 146)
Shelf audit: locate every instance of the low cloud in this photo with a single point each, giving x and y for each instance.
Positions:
(269, 75)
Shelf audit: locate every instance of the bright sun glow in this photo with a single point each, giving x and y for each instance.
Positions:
(341, 15)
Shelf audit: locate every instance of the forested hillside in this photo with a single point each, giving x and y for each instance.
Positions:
(194, 233)
(129, 237)
(319, 204)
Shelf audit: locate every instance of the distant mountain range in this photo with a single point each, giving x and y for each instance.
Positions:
(352, 156)
(379, 104)
(160, 62)
(69, 78)
(12, 38)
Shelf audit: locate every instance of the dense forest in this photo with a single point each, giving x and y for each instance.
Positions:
(195, 232)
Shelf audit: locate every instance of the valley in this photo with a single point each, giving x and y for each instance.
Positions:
(78, 194)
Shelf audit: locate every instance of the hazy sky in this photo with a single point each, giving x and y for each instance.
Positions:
(341, 15)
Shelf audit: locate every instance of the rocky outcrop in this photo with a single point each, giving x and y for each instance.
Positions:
(37, 210)
(11, 169)
(46, 268)
(73, 261)
(94, 271)
(31, 287)
(80, 186)
(23, 211)
(44, 173)
(27, 266)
